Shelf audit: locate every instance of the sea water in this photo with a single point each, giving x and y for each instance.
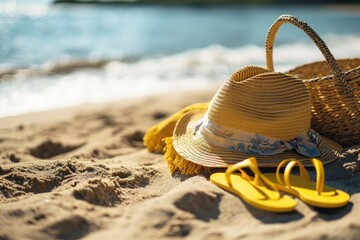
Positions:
(134, 51)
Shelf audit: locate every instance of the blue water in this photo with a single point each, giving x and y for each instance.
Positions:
(175, 47)
(36, 32)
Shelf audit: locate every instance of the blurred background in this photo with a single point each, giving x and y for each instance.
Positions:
(56, 54)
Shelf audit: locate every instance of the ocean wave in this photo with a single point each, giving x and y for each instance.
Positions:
(20, 8)
(59, 85)
(285, 57)
(50, 68)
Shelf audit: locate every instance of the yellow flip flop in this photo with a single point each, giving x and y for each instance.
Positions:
(310, 192)
(258, 191)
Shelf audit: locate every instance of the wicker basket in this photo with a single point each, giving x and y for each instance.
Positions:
(334, 87)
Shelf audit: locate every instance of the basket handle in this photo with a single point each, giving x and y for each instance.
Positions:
(269, 45)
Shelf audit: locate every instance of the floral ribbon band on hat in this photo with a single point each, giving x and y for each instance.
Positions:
(252, 143)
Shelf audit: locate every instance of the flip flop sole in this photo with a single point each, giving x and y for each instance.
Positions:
(257, 196)
(305, 190)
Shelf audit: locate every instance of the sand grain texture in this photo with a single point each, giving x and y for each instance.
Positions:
(88, 176)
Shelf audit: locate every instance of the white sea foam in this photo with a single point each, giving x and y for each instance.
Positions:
(194, 69)
(23, 8)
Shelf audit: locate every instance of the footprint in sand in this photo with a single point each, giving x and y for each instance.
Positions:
(159, 115)
(69, 227)
(51, 148)
(198, 203)
(135, 139)
(99, 191)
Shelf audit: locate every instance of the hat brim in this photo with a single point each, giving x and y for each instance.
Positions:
(194, 148)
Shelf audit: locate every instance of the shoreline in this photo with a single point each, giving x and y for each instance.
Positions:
(67, 113)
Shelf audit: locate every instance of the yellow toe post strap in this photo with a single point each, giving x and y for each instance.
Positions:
(291, 163)
(252, 165)
(320, 175)
(238, 167)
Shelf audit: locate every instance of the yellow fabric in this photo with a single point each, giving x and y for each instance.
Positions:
(310, 192)
(154, 136)
(255, 194)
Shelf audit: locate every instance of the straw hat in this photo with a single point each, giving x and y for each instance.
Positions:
(255, 113)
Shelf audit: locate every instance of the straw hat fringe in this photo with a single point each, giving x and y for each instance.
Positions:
(176, 162)
(153, 138)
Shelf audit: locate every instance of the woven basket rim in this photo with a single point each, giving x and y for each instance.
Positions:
(347, 73)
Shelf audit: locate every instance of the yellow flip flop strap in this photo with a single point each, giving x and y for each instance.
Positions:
(238, 167)
(320, 175)
(252, 165)
(319, 168)
(291, 162)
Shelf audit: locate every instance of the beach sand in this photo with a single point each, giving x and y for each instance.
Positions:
(84, 173)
